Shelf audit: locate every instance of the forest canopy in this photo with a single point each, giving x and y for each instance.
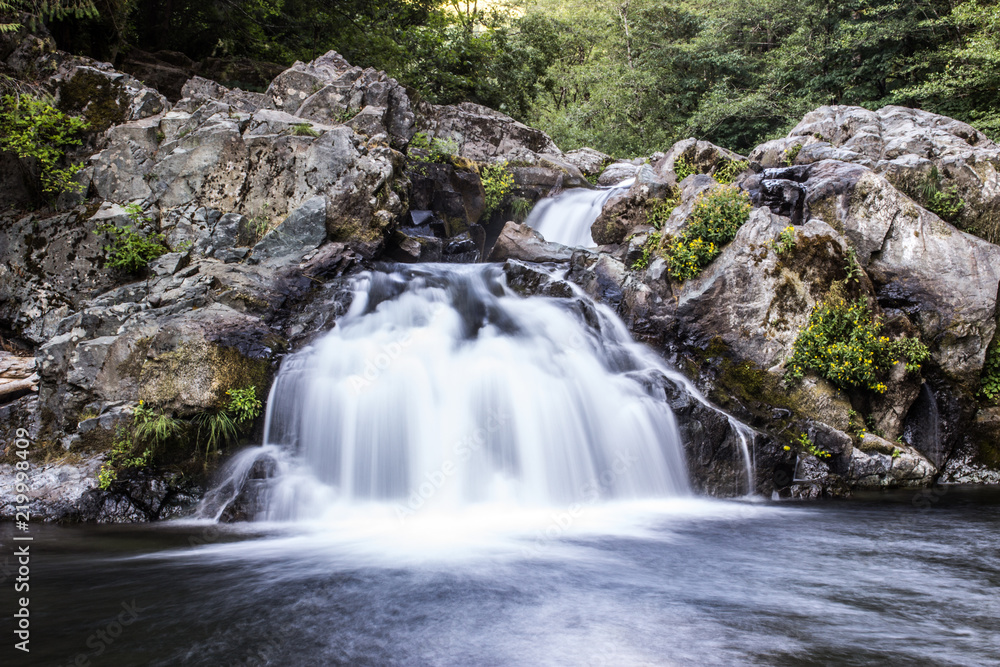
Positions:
(628, 77)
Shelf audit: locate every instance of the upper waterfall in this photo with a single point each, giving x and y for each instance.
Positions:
(567, 217)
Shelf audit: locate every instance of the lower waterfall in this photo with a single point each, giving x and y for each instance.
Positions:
(442, 388)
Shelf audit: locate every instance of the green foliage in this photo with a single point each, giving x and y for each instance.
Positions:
(304, 130)
(715, 218)
(36, 131)
(520, 208)
(498, 181)
(131, 250)
(634, 77)
(136, 443)
(683, 168)
(154, 428)
(216, 429)
(424, 149)
(851, 266)
(244, 404)
(658, 210)
(785, 241)
(727, 172)
(989, 380)
(843, 343)
(856, 425)
(807, 445)
(791, 154)
(649, 248)
(946, 203)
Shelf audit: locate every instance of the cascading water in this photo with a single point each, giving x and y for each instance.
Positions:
(567, 217)
(442, 388)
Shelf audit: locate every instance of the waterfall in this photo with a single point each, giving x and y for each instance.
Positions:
(567, 217)
(441, 388)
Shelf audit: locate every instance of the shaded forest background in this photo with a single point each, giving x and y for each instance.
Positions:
(627, 77)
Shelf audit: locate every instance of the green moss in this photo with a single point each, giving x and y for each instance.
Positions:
(988, 454)
(102, 101)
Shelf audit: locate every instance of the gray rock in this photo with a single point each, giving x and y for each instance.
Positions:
(518, 241)
(303, 230)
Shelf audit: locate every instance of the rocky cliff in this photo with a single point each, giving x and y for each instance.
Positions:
(270, 201)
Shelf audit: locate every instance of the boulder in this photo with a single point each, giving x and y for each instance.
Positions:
(481, 133)
(518, 241)
(904, 145)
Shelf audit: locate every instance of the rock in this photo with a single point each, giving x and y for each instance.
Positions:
(529, 279)
(455, 196)
(701, 156)
(878, 463)
(589, 161)
(303, 230)
(168, 264)
(409, 248)
(481, 133)
(944, 280)
(616, 172)
(103, 96)
(903, 145)
(518, 241)
(330, 91)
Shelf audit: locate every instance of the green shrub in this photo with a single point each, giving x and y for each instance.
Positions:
(244, 404)
(989, 380)
(945, 203)
(424, 149)
(715, 218)
(215, 429)
(791, 154)
(130, 250)
(809, 446)
(520, 208)
(498, 182)
(304, 130)
(851, 266)
(727, 172)
(658, 210)
(843, 343)
(785, 241)
(683, 168)
(136, 443)
(648, 250)
(34, 130)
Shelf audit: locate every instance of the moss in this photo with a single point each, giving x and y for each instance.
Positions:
(988, 454)
(101, 100)
(198, 376)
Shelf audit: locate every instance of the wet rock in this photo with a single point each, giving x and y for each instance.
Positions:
(518, 241)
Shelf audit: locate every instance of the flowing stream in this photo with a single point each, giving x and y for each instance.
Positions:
(567, 217)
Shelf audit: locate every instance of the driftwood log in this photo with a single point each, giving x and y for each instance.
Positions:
(17, 376)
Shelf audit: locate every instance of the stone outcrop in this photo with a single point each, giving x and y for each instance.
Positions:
(916, 151)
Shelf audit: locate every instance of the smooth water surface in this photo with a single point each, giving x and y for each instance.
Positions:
(911, 579)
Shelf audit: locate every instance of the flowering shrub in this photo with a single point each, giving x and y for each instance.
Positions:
(497, 182)
(715, 218)
(843, 343)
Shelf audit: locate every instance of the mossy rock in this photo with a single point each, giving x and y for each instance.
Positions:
(102, 101)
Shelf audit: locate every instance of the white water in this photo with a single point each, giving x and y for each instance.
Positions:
(442, 390)
(567, 217)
